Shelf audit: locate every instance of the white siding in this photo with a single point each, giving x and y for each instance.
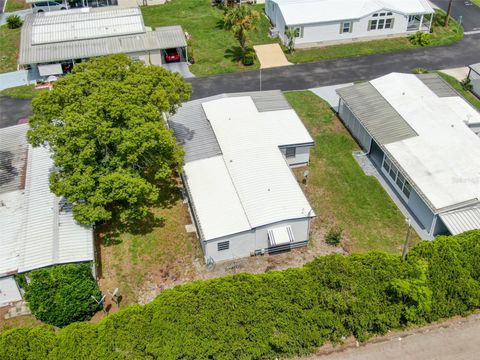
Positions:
(475, 79)
(302, 155)
(357, 129)
(245, 243)
(330, 31)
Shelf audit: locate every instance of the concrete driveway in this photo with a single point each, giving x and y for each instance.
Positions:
(179, 67)
(270, 55)
(13, 109)
(469, 12)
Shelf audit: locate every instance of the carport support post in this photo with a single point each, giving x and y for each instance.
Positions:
(407, 239)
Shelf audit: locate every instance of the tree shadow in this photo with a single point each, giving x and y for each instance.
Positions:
(108, 233)
(234, 53)
(220, 25)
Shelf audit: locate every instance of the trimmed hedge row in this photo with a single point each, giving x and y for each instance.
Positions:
(279, 313)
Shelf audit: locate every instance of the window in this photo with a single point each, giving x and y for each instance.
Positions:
(375, 15)
(299, 32)
(389, 14)
(380, 24)
(346, 27)
(290, 152)
(407, 189)
(224, 245)
(392, 171)
(382, 14)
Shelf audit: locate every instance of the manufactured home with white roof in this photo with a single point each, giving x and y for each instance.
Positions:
(55, 41)
(322, 22)
(37, 227)
(243, 196)
(423, 137)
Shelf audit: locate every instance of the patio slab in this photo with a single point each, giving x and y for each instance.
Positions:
(329, 94)
(458, 73)
(270, 55)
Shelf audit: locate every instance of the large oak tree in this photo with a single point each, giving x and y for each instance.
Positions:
(104, 126)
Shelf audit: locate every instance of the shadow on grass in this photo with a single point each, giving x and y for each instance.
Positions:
(109, 233)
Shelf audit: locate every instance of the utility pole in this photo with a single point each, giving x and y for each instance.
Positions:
(407, 239)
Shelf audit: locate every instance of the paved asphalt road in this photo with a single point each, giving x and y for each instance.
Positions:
(469, 12)
(330, 72)
(455, 340)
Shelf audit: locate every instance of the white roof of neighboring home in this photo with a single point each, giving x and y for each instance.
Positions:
(297, 12)
(9, 292)
(85, 23)
(37, 228)
(443, 160)
(250, 184)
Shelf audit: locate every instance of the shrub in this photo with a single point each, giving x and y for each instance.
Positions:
(248, 58)
(276, 314)
(334, 236)
(14, 22)
(467, 84)
(420, 70)
(62, 294)
(420, 39)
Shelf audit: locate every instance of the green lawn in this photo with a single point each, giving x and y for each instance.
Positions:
(214, 48)
(15, 5)
(440, 36)
(9, 44)
(475, 101)
(22, 92)
(476, 2)
(338, 190)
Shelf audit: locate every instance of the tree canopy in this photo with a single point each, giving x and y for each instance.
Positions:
(62, 294)
(110, 145)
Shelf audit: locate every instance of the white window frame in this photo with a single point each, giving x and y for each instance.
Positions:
(349, 27)
(394, 174)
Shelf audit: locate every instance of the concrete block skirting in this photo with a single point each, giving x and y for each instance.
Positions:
(349, 41)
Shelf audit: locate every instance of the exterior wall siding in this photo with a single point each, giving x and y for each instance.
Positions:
(422, 212)
(357, 130)
(302, 155)
(246, 243)
(475, 79)
(330, 31)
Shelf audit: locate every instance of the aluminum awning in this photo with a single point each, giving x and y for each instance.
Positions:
(280, 236)
(462, 220)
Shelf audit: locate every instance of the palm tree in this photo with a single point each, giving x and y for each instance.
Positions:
(241, 20)
(449, 11)
(291, 33)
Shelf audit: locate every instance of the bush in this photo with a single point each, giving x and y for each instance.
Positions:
(62, 294)
(277, 314)
(420, 70)
(334, 236)
(248, 58)
(467, 84)
(14, 22)
(420, 39)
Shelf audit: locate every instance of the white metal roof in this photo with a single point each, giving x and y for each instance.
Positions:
(462, 220)
(443, 161)
(85, 23)
(215, 200)
(37, 228)
(475, 67)
(297, 12)
(265, 187)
